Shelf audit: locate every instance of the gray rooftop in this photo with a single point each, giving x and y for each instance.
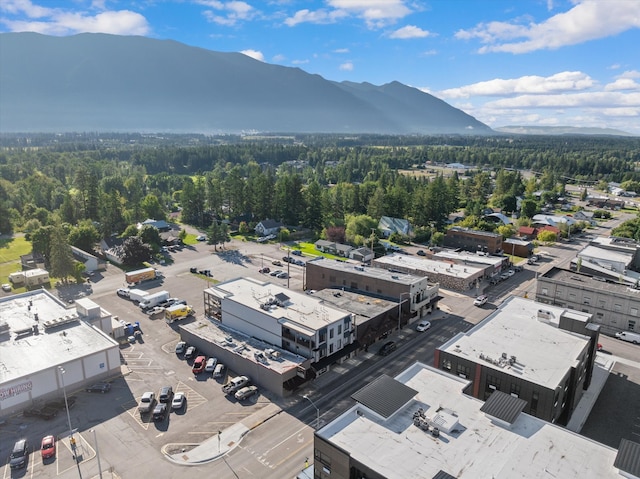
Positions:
(384, 396)
(359, 304)
(427, 266)
(477, 448)
(61, 335)
(543, 353)
(591, 282)
(377, 273)
(240, 344)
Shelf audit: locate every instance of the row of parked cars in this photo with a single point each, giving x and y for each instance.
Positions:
(20, 452)
(167, 400)
(239, 386)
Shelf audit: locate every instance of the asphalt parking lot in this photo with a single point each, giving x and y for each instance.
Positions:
(147, 365)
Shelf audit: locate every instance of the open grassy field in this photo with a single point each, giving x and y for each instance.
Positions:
(10, 251)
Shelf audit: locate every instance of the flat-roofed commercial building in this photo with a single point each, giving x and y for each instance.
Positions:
(421, 294)
(540, 353)
(448, 275)
(39, 335)
(372, 317)
(473, 240)
(421, 425)
(287, 319)
(614, 306)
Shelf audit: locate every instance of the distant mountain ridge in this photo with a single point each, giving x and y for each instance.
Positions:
(560, 130)
(99, 82)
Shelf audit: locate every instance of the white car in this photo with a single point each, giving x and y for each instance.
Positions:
(211, 365)
(511, 272)
(423, 325)
(6, 287)
(178, 401)
(481, 300)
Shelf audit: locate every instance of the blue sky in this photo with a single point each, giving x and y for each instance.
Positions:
(515, 62)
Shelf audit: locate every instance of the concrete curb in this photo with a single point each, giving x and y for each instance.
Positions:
(219, 445)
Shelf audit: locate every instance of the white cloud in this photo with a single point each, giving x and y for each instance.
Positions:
(427, 53)
(121, 22)
(347, 67)
(410, 31)
(560, 82)
(299, 62)
(26, 7)
(279, 58)
(587, 20)
(318, 16)
(255, 54)
(375, 13)
(230, 14)
(622, 84)
(576, 100)
(341, 50)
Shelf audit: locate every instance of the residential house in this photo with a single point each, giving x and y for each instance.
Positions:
(268, 227)
(389, 226)
(587, 216)
(160, 225)
(331, 247)
(363, 254)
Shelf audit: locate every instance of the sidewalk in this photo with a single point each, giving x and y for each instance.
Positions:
(220, 444)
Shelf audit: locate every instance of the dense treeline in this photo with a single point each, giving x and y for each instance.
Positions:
(319, 181)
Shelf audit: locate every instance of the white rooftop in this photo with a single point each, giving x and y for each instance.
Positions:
(300, 311)
(519, 328)
(22, 352)
(396, 448)
(607, 254)
(471, 257)
(427, 266)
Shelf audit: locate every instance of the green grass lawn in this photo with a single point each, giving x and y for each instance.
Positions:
(10, 251)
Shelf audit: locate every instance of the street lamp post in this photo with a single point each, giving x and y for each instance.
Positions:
(400, 307)
(317, 411)
(95, 440)
(72, 440)
(66, 403)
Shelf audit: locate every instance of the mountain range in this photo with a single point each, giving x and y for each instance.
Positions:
(100, 82)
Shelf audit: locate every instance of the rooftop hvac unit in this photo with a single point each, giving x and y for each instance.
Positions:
(544, 313)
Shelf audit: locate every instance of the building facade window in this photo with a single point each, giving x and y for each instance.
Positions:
(463, 371)
(330, 333)
(446, 364)
(545, 291)
(617, 307)
(586, 300)
(533, 406)
(632, 325)
(515, 390)
(633, 311)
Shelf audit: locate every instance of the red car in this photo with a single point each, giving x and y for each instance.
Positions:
(48, 447)
(199, 364)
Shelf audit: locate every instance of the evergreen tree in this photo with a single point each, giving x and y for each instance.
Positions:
(61, 262)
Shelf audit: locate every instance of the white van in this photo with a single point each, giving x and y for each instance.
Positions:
(629, 336)
(218, 371)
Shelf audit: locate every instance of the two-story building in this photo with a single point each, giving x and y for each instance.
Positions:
(287, 319)
(473, 240)
(540, 353)
(421, 294)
